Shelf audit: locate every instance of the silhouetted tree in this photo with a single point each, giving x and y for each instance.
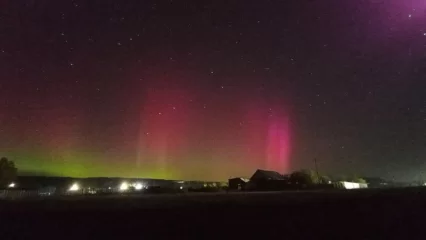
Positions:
(353, 178)
(8, 171)
(357, 179)
(360, 180)
(307, 177)
(325, 179)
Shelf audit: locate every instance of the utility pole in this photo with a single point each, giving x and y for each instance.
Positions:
(316, 169)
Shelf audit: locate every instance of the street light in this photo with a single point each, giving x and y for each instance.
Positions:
(11, 185)
(138, 186)
(124, 186)
(74, 188)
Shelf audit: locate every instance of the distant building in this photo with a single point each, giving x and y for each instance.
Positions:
(264, 175)
(268, 180)
(238, 183)
(352, 185)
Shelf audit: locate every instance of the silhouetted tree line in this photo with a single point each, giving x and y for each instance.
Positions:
(310, 177)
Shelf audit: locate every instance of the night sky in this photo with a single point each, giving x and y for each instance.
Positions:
(213, 89)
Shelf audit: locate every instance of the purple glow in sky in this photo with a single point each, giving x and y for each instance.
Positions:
(213, 89)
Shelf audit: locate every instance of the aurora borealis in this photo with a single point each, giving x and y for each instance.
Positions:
(209, 90)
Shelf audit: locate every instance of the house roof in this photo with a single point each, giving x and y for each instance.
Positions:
(267, 175)
(240, 178)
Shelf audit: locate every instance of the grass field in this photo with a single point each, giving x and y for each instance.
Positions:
(356, 214)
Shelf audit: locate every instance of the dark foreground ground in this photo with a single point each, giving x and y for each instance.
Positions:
(359, 214)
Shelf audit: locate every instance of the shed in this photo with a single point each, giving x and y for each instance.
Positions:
(237, 183)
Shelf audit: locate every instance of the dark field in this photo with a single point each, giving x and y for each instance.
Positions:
(358, 214)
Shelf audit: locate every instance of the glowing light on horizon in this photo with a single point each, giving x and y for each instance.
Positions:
(124, 186)
(138, 186)
(75, 187)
